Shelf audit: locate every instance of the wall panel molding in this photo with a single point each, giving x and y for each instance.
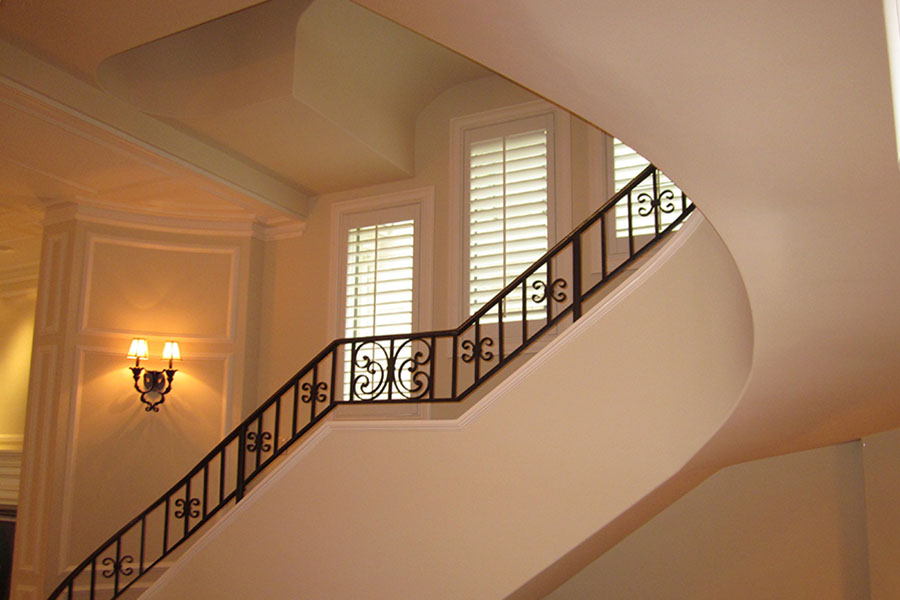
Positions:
(228, 319)
(51, 283)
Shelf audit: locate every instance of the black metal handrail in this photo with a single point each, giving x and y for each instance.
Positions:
(383, 369)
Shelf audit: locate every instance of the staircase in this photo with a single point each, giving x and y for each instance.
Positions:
(561, 404)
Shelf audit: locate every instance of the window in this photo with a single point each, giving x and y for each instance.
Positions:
(379, 287)
(508, 228)
(382, 269)
(509, 185)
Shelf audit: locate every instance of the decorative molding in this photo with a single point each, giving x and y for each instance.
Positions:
(11, 442)
(281, 228)
(231, 303)
(51, 283)
(36, 470)
(94, 211)
(328, 426)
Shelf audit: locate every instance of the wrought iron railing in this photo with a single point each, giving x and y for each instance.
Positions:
(435, 366)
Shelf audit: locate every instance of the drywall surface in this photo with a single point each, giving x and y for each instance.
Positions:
(881, 460)
(402, 509)
(781, 528)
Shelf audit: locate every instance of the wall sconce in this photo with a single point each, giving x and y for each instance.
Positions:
(152, 384)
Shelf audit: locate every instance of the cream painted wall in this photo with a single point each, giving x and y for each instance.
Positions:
(297, 279)
(94, 456)
(881, 461)
(16, 330)
(787, 527)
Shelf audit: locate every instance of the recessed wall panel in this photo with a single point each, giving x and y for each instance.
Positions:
(160, 290)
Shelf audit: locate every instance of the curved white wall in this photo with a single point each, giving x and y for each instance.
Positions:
(475, 508)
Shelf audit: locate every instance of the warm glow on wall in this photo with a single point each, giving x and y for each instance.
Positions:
(153, 385)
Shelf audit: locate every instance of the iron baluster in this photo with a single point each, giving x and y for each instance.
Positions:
(524, 311)
(477, 351)
(205, 487)
(548, 290)
(143, 537)
(603, 239)
(334, 354)
(431, 368)
(275, 434)
(392, 374)
(630, 228)
(296, 408)
(166, 528)
(576, 277)
(500, 336)
(656, 201)
(222, 476)
(454, 366)
(239, 485)
(352, 369)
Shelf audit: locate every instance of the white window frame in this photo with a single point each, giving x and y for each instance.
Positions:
(498, 122)
(415, 204)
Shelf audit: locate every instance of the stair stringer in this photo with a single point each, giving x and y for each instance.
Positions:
(473, 508)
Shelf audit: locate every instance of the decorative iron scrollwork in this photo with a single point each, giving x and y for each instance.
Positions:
(255, 439)
(556, 294)
(317, 392)
(187, 508)
(371, 364)
(419, 382)
(117, 566)
(479, 349)
(664, 195)
(380, 371)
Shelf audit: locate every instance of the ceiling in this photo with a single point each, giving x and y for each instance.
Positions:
(216, 109)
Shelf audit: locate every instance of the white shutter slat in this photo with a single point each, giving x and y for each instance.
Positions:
(508, 221)
(379, 290)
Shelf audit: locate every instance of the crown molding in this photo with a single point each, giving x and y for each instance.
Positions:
(198, 223)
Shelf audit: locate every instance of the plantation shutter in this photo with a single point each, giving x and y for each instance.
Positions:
(379, 290)
(627, 164)
(379, 297)
(508, 210)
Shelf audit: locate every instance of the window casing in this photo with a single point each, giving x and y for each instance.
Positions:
(512, 176)
(381, 269)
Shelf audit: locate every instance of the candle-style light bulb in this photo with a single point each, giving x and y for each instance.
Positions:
(172, 352)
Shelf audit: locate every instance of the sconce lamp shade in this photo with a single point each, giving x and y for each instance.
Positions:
(138, 349)
(171, 351)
